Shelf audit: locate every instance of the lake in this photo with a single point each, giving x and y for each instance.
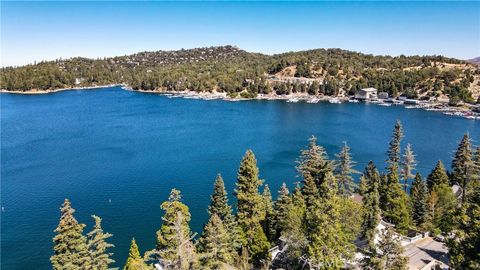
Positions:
(117, 154)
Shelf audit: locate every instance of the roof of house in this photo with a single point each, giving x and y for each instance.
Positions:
(370, 89)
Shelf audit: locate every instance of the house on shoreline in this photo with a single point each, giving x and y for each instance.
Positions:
(366, 94)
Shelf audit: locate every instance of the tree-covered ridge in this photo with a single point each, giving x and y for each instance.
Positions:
(231, 70)
(317, 226)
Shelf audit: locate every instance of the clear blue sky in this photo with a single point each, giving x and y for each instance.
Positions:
(48, 30)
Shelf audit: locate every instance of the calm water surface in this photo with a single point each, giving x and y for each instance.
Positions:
(131, 149)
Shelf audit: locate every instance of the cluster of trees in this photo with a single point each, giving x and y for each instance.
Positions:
(228, 69)
(315, 224)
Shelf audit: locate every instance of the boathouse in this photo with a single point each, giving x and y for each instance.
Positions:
(366, 94)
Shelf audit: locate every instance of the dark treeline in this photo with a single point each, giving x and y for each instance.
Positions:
(228, 69)
(315, 225)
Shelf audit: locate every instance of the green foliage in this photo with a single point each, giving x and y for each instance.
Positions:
(419, 195)
(251, 208)
(462, 165)
(371, 202)
(174, 248)
(397, 202)
(281, 208)
(134, 260)
(344, 170)
(219, 206)
(437, 176)
(268, 224)
(217, 252)
(97, 246)
(393, 152)
(328, 243)
(464, 248)
(441, 205)
(313, 164)
(70, 245)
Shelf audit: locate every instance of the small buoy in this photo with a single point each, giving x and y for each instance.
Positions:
(109, 200)
(3, 209)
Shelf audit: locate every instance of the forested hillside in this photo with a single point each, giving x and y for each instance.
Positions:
(229, 69)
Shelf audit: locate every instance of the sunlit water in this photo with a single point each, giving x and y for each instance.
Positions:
(117, 154)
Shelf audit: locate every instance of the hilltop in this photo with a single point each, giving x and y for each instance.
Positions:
(238, 72)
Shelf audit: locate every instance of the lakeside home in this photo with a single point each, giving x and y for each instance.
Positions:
(366, 94)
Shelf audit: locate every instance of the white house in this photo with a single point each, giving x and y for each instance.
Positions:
(366, 94)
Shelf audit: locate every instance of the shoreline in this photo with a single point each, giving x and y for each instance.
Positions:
(441, 107)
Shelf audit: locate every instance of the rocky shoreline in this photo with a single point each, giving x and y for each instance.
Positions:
(471, 112)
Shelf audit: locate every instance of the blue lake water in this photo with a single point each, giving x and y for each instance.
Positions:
(117, 154)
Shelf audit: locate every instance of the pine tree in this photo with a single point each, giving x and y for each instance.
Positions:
(437, 176)
(464, 248)
(217, 253)
(219, 206)
(462, 165)
(441, 203)
(386, 254)
(174, 248)
(281, 208)
(70, 245)
(371, 206)
(393, 152)
(97, 246)
(344, 170)
(419, 195)
(408, 165)
(269, 222)
(295, 232)
(396, 209)
(328, 244)
(313, 162)
(250, 206)
(134, 260)
(369, 176)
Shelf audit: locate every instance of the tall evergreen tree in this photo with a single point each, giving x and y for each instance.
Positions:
(464, 248)
(328, 244)
(313, 162)
(70, 245)
(219, 206)
(269, 222)
(441, 204)
(371, 204)
(250, 206)
(174, 248)
(419, 195)
(344, 170)
(97, 246)
(369, 176)
(393, 152)
(217, 253)
(437, 176)
(281, 208)
(386, 254)
(408, 165)
(134, 260)
(462, 165)
(396, 209)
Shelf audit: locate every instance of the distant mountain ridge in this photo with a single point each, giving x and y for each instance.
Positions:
(238, 72)
(475, 61)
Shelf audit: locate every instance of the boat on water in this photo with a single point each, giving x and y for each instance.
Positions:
(293, 100)
(334, 100)
(384, 104)
(313, 100)
(353, 101)
(410, 107)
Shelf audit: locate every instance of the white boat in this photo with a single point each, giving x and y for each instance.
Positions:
(353, 100)
(334, 101)
(385, 104)
(313, 100)
(410, 107)
(294, 100)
